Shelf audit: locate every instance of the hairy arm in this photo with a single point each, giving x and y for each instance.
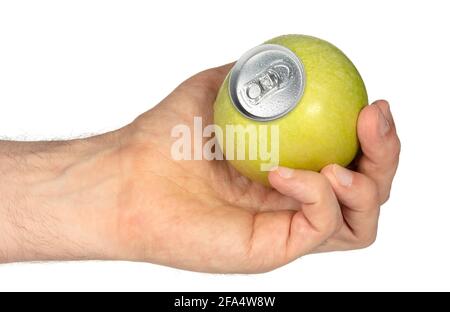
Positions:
(52, 198)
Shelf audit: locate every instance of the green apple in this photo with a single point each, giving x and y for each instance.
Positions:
(321, 129)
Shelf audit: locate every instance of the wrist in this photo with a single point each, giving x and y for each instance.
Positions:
(57, 199)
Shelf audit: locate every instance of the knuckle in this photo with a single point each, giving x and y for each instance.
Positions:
(366, 240)
(329, 226)
(373, 193)
(339, 223)
(397, 148)
(322, 186)
(332, 225)
(384, 197)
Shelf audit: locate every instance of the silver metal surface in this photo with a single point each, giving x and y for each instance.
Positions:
(267, 82)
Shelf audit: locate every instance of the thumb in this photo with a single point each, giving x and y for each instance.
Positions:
(319, 215)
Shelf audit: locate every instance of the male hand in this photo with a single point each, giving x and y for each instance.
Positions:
(122, 196)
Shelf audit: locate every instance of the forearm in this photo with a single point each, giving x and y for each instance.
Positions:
(52, 198)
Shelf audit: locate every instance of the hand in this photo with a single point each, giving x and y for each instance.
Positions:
(122, 196)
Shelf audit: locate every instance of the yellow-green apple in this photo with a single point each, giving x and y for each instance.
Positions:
(319, 130)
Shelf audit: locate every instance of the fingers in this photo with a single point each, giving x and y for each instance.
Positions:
(358, 195)
(319, 215)
(380, 146)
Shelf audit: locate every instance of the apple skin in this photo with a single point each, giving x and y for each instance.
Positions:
(321, 129)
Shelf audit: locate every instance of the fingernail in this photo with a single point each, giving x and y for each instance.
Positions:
(285, 172)
(383, 123)
(343, 175)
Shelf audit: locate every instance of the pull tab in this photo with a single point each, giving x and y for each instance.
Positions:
(267, 82)
(274, 78)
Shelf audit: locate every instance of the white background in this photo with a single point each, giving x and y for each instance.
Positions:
(71, 68)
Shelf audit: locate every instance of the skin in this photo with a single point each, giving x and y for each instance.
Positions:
(120, 196)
